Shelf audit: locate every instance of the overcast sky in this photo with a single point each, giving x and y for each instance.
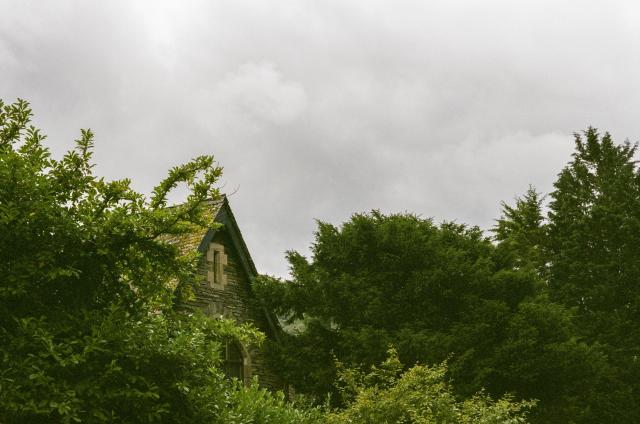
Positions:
(319, 109)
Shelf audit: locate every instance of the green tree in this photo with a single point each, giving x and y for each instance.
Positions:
(377, 280)
(521, 232)
(594, 231)
(434, 292)
(387, 394)
(594, 253)
(88, 292)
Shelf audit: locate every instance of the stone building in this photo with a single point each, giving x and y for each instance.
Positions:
(224, 289)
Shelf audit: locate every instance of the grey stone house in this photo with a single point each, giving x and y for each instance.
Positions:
(224, 289)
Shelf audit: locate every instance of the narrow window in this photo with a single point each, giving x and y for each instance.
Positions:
(215, 264)
(211, 270)
(216, 267)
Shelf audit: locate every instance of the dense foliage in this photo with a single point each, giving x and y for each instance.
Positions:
(89, 330)
(593, 255)
(387, 394)
(547, 309)
(544, 313)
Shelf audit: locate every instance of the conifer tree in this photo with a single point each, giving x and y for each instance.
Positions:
(594, 237)
(593, 250)
(520, 231)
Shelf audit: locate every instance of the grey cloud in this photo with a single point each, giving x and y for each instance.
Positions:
(257, 92)
(322, 109)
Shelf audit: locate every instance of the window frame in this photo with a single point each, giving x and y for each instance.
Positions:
(215, 265)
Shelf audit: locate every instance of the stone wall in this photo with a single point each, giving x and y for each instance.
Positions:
(233, 300)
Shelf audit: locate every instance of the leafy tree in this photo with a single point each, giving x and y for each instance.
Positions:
(421, 394)
(256, 405)
(373, 280)
(434, 292)
(88, 292)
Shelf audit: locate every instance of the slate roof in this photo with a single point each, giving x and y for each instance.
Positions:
(199, 240)
(191, 242)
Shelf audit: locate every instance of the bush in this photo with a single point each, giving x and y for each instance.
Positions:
(419, 395)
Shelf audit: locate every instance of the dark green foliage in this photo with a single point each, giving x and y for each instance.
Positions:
(594, 229)
(104, 367)
(521, 232)
(386, 272)
(88, 326)
(548, 310)
(434, 292)
(594, 254)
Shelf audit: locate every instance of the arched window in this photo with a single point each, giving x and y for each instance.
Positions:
(234, 361)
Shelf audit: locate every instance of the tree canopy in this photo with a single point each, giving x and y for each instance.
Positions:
(546, 309)
(89, 290)
(545, 312)
(421, 394)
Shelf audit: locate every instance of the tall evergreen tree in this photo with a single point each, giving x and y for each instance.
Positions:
(593, 249)
(594, 236)
(521, 231)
